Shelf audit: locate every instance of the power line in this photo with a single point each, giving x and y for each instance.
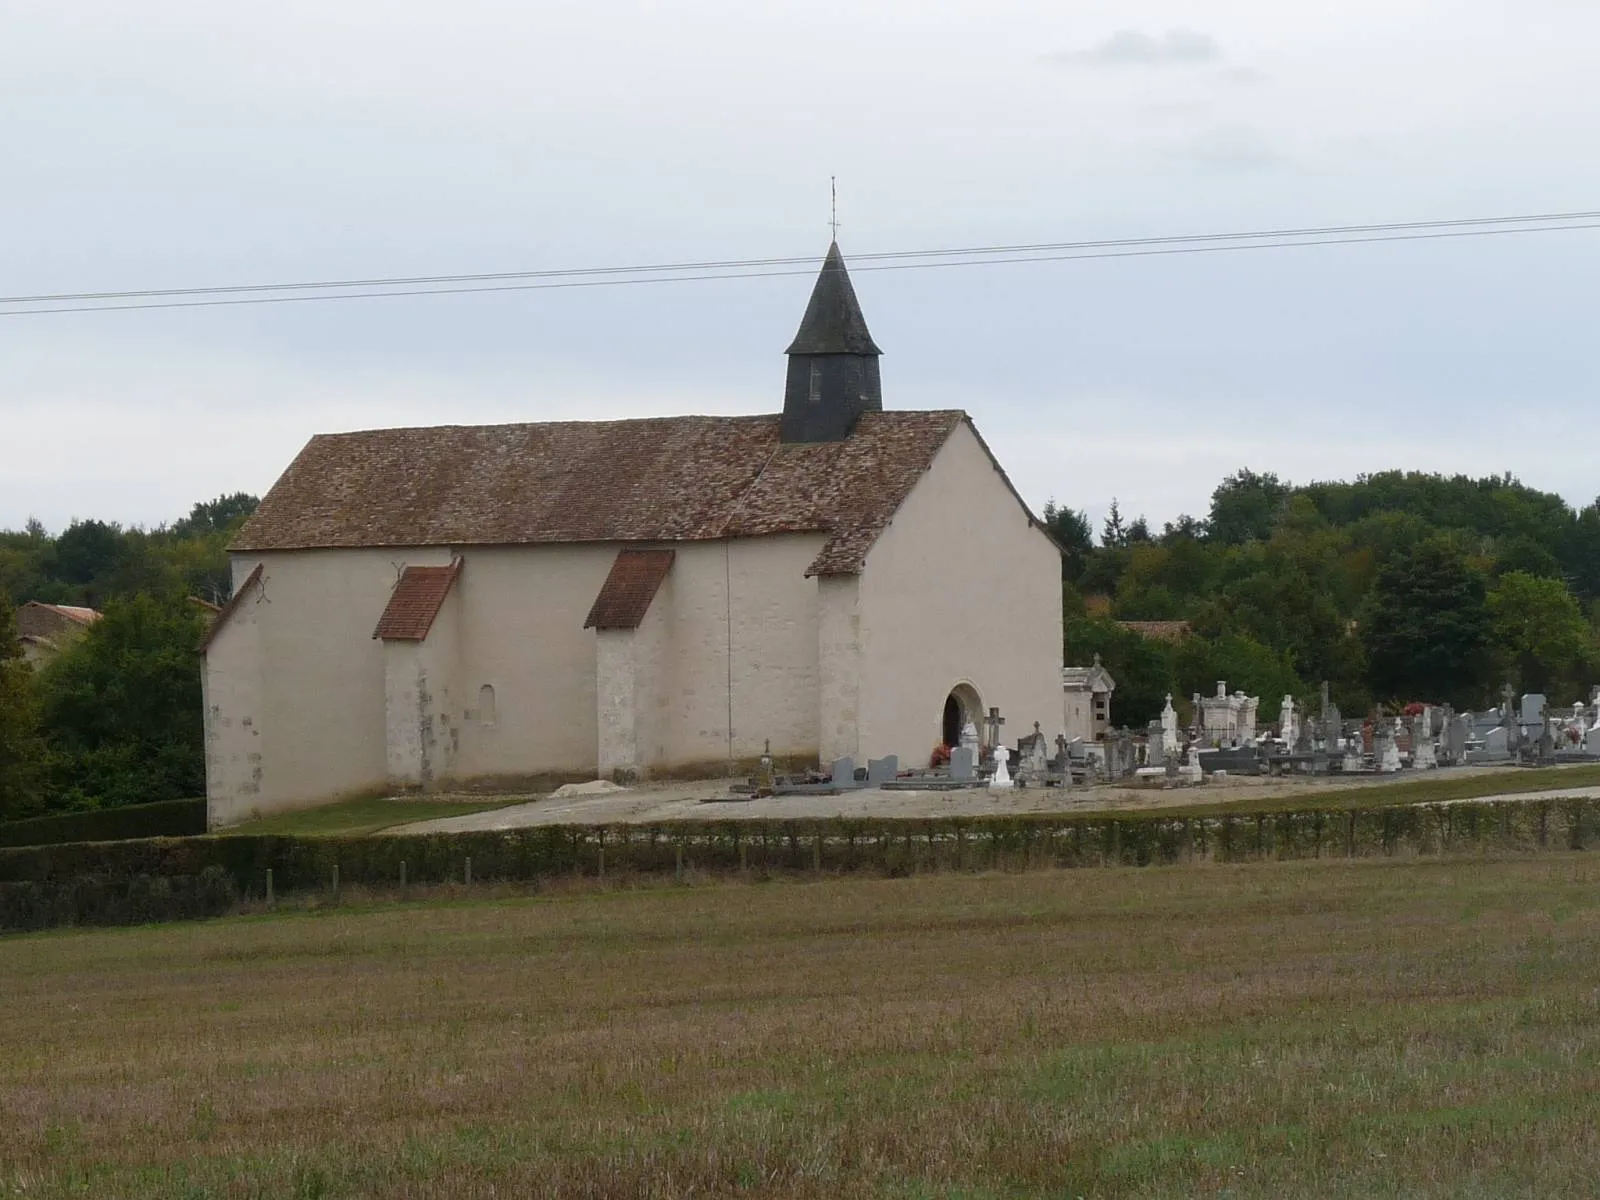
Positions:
(247, 294)
(740, 264)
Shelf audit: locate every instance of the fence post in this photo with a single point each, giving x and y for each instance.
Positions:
(336, 883)
(816, 853)
(1350, 834)
(271, 901)
(1544, 824)
(678, 848)
(402, 874)
(466, 872)
(744, 857)
(602, 857)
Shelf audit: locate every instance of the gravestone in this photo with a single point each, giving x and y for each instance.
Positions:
(1062, 763)
(1033, 765)
(1171, 742)
(969, 739)
(844, 771)
(992, 724)
(1190, 771)
(1120, 761)
(1533, 706)
(764, 780)
(1453, 737)
(963, 764)
(1510, 721)
(1353, 762)
(1422, 754)
(1002, 775)
(1155, 750)
(1332, 722)
(1386, 750)
(1289, 724)
(1496, 744)
(881, 770)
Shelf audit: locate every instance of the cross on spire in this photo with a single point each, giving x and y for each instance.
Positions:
(833, 193)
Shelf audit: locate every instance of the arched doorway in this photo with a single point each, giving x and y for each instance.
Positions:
(963, 704)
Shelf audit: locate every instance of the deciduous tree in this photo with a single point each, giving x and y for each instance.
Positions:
(21, 750)
(1427, 629)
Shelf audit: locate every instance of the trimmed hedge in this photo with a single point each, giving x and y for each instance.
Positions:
(167, 818)
(112, 882)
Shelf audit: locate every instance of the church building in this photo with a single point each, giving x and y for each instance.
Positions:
(509, 605)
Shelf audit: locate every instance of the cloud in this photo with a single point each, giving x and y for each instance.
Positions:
(1232, 150)
(1130, 48)
(1243, 76)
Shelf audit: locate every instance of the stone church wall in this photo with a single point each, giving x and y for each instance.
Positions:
(959, 589)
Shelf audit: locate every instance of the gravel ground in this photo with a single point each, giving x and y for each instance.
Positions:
(710, 800)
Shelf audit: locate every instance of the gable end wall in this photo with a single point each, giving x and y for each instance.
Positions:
(960, 588)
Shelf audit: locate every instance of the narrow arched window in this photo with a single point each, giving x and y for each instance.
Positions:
(486, 713)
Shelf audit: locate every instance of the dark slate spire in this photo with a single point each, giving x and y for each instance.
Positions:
(833, 362)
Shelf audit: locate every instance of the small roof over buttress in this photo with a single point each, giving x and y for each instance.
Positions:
(636, 576)
(415, 602)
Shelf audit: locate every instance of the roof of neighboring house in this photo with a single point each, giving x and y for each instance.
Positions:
(418, 596)
(82, 616)
(1162, 631)
(220, 621)
(663, 479)
(625, 597)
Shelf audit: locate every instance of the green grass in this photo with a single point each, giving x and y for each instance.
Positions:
(1368, 1029)
(356, 817)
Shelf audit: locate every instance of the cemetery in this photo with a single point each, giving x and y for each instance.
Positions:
(1222, 755)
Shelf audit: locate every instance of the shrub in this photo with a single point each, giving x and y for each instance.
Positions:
(167, 818)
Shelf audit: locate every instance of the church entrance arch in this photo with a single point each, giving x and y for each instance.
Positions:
(963, 704)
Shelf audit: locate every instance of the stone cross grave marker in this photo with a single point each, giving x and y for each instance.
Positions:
(993, 723)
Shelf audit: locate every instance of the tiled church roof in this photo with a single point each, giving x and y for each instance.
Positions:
(657, 480)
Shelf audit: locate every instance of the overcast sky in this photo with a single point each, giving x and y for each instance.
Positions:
(178, 142)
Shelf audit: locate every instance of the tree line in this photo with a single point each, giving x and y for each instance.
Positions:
(1393, 588)
(115, 717)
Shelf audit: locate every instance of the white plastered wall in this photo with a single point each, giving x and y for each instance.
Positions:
(300, 704)
(960, 588)
(521, 612)
(423, 709)
(230, 686)
(296, 678)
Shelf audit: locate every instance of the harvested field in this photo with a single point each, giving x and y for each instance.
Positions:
(1385, 1027)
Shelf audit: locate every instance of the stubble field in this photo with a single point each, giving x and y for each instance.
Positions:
(1324, 1029)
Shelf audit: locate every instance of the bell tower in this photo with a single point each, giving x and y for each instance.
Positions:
(833, 362)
